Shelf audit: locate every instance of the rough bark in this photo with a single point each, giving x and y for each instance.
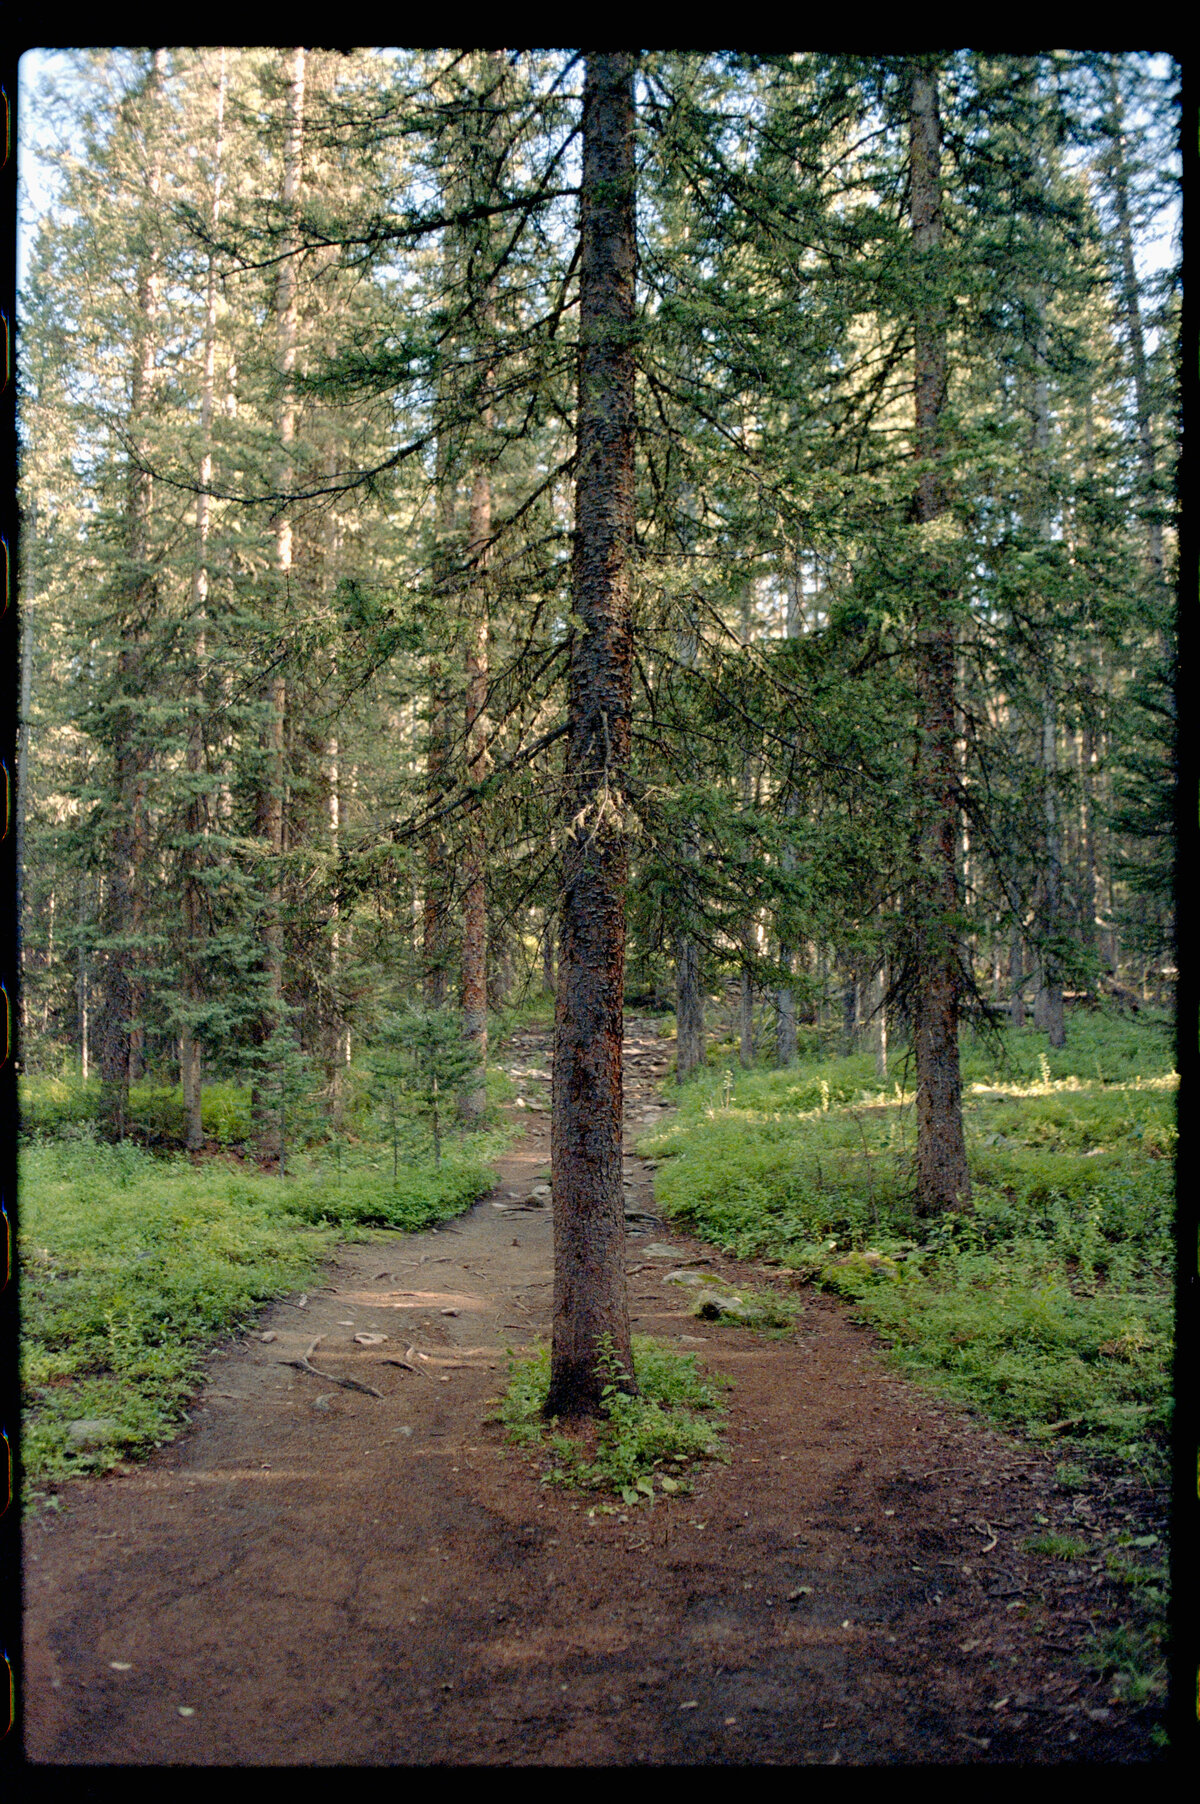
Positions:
(689, 1007)
(1048, 1003)
(786, 1044)
(271, 805)
(943, 1179)
(591, 1312)
(689, 995)
(786, 1041)
(473, 1100)
(190, 1057)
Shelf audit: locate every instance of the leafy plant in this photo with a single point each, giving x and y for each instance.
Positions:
(1049, 1302)
(643, 1441)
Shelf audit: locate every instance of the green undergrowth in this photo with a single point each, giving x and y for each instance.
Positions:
(134, 1265)
(1048, 1303)
(51, 1107)
(643, 1446)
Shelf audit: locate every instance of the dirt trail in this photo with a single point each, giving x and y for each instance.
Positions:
(315, 1575)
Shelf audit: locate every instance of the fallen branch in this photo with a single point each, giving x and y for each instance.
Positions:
(350, 1384)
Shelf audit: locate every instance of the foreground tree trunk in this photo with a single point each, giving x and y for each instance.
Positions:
(943, 1180)
(591, 1312)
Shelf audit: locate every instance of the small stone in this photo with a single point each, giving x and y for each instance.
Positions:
(92, 1431)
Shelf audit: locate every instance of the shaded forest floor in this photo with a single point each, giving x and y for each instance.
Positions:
(317, 1575)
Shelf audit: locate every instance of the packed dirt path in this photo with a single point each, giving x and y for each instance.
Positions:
(317, 1575)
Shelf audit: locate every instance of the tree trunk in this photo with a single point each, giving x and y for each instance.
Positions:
(190, 1058)
(1048, 1005)
(689, 1008)
(877, 1005)
(434, 934)
(119, 1045)
(1016, 970)
(745, 1014)
(473, 1100)
(786, 1041)
(271, 817)
(591, 1311)
(943, 1179)
(689, 994)
(849, 1015)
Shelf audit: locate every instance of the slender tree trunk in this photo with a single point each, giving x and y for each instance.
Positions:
(272, 819)
(1016, 969)
(787, 1044)
(591, 1311)
(1048, 1005)
(689, 1007)
(190, 1057)
(879, 1022)
(473, 1100)
(434, 926)
(436, 906)
(943, 1179)
(689, 994)
(745, 1011)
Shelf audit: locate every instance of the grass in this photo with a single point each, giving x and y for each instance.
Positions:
(642, 1447)
(1048, 1304)
(133, 1265)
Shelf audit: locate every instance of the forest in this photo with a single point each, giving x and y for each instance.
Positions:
(623, 605)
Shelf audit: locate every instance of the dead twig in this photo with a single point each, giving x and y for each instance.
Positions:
(350, 1384)
(406, 1362)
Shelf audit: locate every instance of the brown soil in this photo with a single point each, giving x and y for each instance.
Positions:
(314, 1575)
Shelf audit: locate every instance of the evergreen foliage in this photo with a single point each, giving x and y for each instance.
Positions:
(264, 755)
